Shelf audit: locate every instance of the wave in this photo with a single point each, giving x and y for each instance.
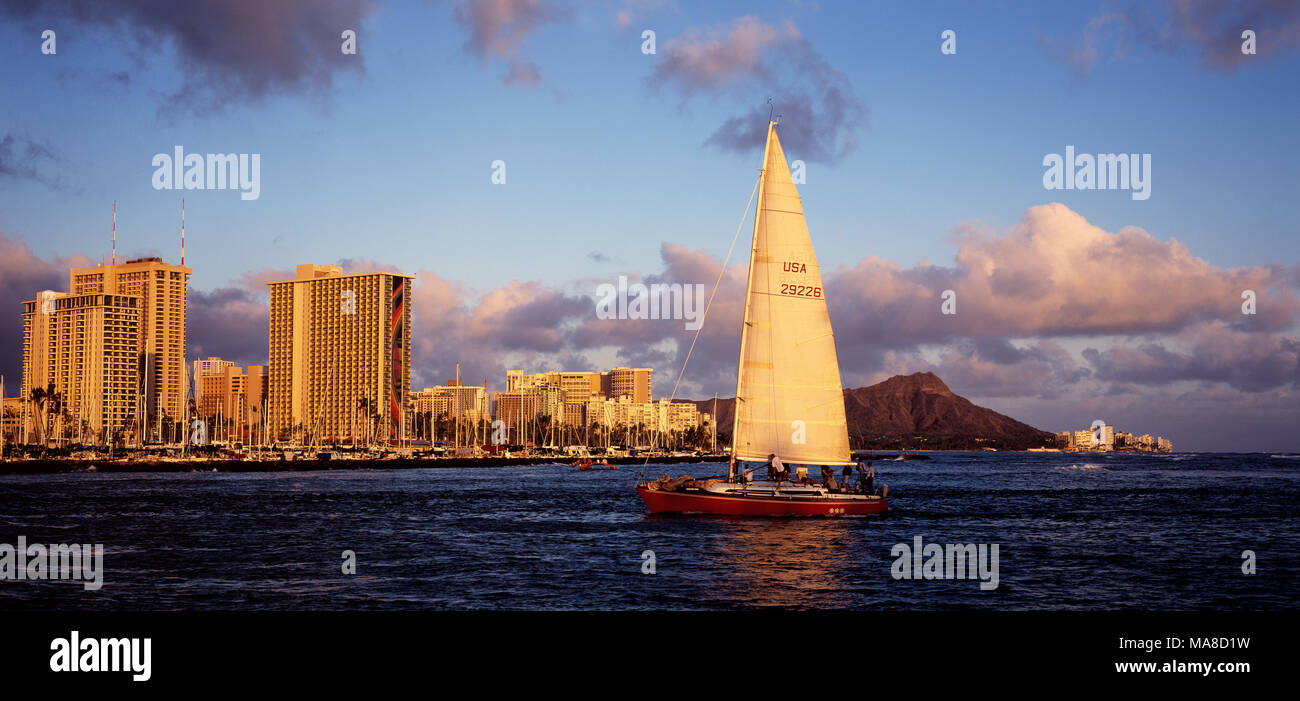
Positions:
(1285, 457)
(1086, 466)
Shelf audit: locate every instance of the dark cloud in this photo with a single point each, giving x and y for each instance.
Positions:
(999, 368)
(1209, 29)
(230, 322)
(820, 112)
(518, 325)
(1213, 28)
(230, 51)
(24, 159)
(1209, 353)
(22, 275)
(498, 28)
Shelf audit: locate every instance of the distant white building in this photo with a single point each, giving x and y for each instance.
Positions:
(1107, 441)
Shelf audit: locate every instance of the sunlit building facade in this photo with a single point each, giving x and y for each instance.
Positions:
(234, 397)
(339, 355)
(162, 290)
(84, 347)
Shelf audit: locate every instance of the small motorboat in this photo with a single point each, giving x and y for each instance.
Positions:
(585, 465)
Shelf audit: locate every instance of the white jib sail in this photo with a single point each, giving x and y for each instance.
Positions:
(789, 400)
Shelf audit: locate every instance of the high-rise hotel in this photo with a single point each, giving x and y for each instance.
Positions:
(339, 352)
(116, 337)
(161, 289)
(86, 347)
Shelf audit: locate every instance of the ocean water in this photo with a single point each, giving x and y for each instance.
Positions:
(1084, 531)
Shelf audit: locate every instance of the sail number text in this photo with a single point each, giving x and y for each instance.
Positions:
(796, 290)
(801, 290)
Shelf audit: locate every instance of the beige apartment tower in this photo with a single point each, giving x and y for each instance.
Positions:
(161, 289)
(633, 383)
(86, 346)
(211, 365)
(339, 355)
(234, 396)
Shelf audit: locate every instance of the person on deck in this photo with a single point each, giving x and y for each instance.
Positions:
(828, 479)
(846, 475)
(771, 468)
(778, 470)
(866, 478)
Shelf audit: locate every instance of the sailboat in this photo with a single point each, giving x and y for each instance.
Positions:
(789, 400)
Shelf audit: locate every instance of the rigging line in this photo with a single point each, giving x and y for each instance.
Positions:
(723, 271)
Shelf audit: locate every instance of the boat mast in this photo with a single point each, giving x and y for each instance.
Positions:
(715, 422)
(749, 283)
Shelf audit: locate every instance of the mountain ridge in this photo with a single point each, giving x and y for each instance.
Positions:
(916, 412)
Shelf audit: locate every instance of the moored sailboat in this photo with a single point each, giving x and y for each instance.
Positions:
(789, 399)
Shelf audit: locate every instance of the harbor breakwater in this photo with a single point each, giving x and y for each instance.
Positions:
(53, 466)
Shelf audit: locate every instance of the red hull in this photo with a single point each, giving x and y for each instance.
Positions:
(661, 502)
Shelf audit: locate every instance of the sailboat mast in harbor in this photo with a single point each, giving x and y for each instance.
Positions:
(789, 398)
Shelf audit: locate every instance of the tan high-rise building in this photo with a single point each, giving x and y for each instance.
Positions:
(633, 383)
(255, 389)
(85, 346)
(338, 341)
(162, 290)
(211, 365)
(518, 406)
(233, 395)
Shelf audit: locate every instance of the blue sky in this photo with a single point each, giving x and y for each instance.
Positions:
(385, 156)
(596, 159)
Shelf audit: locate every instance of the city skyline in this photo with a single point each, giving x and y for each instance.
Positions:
(1072, 305)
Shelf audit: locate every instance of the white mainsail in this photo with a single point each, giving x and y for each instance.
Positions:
(789, 372)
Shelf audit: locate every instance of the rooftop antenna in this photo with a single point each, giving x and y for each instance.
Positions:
(114, 232)
(182, 232)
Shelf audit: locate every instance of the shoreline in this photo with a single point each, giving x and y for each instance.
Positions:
(83, 465)
(68, 465)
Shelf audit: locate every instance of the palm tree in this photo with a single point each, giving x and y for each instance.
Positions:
(53, 405)
(442, 425)
(8, 414)
(364, 405)
(65, 421)
(38, 398)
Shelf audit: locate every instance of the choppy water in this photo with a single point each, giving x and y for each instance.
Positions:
(1074, 532)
